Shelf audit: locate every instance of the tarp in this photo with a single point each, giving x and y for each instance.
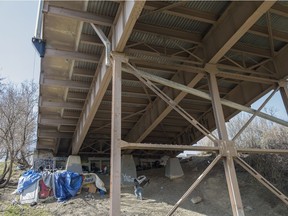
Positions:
(27, 179)
(48, 178)
(30, 194)
(92, 177)
(67, 184)
(99, 183)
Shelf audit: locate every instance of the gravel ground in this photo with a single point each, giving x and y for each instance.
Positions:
(160, 196)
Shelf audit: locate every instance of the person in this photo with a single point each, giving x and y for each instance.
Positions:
(138, 191)
(105, 170)
(102, 193)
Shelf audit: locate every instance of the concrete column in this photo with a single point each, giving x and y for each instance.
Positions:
(128, 170)
(173, 168)
(74, 164)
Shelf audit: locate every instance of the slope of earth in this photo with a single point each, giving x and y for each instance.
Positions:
(160, 196)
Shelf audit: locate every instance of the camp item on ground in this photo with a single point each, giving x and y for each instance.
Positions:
(91, 188)
(142, 180)
(27, 179)
(30, 194)
(44, 191)
(67, 185)
(92, 177)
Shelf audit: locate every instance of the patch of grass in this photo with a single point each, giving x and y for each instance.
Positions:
(13, 210)
(1, 166)
(24, 210)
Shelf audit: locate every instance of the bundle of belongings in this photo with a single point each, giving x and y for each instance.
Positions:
(139, 183)
(90, 180)
(36, 186)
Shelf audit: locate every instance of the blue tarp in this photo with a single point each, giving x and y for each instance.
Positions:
(27, 179)
(67, 184)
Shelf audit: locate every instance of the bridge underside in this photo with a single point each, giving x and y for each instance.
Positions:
(120, 73)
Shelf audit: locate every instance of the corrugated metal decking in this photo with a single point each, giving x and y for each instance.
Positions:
(233, 50)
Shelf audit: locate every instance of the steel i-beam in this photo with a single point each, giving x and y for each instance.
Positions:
(174, 105)
(262, 180)
(284, 94)
(194, 185)
(204, 95)
(115, 179)
(255, 114)
(227, 148)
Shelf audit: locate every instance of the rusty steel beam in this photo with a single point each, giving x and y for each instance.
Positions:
(262, 180)
(78, 15)
(262, 151)
(72, 55)
(65, 83)
(254, 115)
(126, 145)
(194, 185)
(284, 95)
(115, 172)
(213, 53)
(122, 30)
(205, 95)
(245, 15)
(227, 148)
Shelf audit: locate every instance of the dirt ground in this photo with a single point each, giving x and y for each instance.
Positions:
(160, 196)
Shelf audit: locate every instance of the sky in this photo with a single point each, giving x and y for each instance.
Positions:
(19, 61)
(275, 103)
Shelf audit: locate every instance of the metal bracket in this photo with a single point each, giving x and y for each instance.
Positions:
(211, 68)
(105, 41)
(282, 83)
(121, 56)
(227, 148)
(40, 46)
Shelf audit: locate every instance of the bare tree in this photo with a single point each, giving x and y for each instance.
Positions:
(261, 133)
(264, 134)
(254, 134)
(17, 125)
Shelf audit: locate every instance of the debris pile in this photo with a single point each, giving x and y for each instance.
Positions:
(38, 186)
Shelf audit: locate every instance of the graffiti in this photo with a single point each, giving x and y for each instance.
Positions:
(60, 162)
(44, 163)
(88, 178)
(127, 178)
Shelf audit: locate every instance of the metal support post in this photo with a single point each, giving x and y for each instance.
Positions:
(255, 114)
(115, 179)
(284, 94)
(227, 147)
(232, 183)
(217, 107)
